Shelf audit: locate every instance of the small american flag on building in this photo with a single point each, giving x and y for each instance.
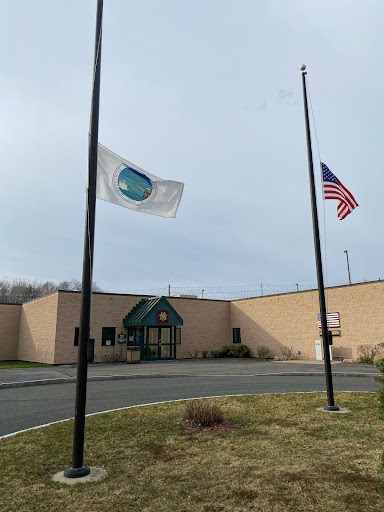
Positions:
(333, 320)
(334, 189)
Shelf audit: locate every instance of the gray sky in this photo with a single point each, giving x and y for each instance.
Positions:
(203, 92)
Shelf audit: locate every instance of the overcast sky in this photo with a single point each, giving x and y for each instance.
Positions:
(207, 93)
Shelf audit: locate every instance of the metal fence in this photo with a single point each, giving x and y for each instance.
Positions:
(200, 292)
(228, 292)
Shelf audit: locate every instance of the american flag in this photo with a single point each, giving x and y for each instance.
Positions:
(333, 320)
(334, 189)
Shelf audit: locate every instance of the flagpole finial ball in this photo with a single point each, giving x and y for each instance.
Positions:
(303, 67)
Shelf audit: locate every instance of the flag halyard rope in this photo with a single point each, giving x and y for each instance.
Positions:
(322, 190)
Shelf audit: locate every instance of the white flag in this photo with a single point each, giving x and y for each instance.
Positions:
(125, 184)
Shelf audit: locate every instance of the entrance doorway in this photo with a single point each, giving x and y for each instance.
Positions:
(155, 342)
(160, 343)
(154, 325)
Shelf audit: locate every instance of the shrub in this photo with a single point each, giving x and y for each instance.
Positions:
(235, 351)
(194, 354)
(263, 352)
(115, 357)
(367, 353)
(214, 353)
(287, 353)
(202, 414)
(204, 353)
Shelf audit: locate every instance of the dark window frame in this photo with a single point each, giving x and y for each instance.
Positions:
(137, 335)
(76, 337)
(236, 335)
(105, 334)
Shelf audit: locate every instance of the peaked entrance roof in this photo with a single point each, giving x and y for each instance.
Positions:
(146, 313)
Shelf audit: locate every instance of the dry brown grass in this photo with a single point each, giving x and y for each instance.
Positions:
(284, 456)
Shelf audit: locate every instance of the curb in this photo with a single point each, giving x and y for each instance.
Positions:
(37, 427)
(70, 380)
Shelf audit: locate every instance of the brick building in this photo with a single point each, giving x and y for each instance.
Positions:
(46, 329)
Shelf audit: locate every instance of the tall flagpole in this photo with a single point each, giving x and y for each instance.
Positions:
(78, 469)
(319, 267)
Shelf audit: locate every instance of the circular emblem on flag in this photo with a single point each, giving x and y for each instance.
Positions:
(133, 186)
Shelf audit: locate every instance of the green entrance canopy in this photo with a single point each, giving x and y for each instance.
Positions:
(155, 311)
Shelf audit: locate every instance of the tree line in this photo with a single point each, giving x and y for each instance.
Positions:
(17, 291)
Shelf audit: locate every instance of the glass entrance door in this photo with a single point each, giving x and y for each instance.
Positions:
(151, 351)
(166, 343)
(159, 344)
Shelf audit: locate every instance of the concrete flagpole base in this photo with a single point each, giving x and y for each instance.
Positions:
(339, 410)
(93, 475)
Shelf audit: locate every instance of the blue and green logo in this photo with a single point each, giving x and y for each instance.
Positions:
(132, 185)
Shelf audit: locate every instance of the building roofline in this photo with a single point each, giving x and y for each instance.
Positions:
(197, 298)
(307, 291)
(39, 298)
(143, 295)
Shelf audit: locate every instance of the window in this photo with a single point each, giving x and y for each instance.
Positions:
(108, 336)
(135, 335)
(236, 335)
(76, 338)
(178, 335)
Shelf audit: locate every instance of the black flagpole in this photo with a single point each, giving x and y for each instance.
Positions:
(319, 267)
(78, 469)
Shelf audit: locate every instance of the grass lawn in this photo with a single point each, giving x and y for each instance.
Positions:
(19, 364)
(284, 456)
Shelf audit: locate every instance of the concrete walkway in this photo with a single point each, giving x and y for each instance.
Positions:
(19, 377)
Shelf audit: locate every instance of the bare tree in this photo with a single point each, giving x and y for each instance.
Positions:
(21, 290)
(74, 285)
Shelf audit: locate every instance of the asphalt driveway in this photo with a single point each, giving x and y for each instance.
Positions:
(16, 377)
(35, 396)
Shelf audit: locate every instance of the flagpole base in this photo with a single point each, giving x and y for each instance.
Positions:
(331, 408)
(77, 472)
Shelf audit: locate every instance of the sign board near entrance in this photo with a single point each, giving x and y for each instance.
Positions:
(122, 338)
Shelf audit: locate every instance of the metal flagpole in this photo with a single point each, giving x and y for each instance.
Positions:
(78, 469)
(319, 267)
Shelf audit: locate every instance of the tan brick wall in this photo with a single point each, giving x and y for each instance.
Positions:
(206, 324)
(107, 311)
(47, 325)
(38, 330)
(291, 319)
(9, 331)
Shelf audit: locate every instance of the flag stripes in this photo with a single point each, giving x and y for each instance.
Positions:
(333, 320)
(334, 189)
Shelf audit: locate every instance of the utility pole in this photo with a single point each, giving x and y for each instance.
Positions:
(349, 270)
